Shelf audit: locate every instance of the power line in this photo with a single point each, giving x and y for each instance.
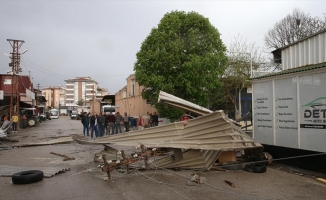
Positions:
(27, 65)
(40, 68)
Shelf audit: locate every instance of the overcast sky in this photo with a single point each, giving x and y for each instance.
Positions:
(100, 39)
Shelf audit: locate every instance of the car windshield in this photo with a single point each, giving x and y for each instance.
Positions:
(73, 112)
(54, 113)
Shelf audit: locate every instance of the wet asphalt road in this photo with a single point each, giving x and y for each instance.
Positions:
(85, 180)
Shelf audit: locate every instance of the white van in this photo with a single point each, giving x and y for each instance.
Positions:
(54, 114)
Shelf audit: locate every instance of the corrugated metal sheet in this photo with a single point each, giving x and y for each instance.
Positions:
(171, 100)
(204, 138)
(291, 71)
(306, 52)
(209, 132)
(60, 140)
(192, 159)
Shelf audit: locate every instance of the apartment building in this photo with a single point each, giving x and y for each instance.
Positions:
(55, 96)
(83, 88)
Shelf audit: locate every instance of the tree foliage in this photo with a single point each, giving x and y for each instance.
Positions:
(292, 28)
(183, 56)
(241, 55)
(80, 102)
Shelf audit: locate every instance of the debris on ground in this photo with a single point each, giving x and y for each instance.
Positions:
(65, 157)
(321, 180)
(229, 183)
(45, 141)
(196, 179)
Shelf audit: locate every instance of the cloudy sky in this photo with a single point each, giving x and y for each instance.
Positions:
(100, 39)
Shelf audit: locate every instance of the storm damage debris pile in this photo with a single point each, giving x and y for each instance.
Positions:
(192, 144)
(109, 152)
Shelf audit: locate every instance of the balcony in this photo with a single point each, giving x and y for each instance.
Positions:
(69, 99)
(69, 88)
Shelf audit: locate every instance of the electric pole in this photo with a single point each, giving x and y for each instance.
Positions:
(15, 65)
(38, 101)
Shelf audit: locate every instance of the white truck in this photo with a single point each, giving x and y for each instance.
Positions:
(79, 112)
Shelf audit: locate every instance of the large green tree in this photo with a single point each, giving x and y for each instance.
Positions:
(183, 56)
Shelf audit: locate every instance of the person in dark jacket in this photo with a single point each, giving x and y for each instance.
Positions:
(111, 124)
(85, 122)
(155, 119)
(105, 124)
(100, 122)
(126, 122)
(93, 123)
(118, 122)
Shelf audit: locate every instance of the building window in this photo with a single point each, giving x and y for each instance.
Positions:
(132, 87)
(124, 94)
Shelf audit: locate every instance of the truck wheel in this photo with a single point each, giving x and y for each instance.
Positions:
(31, 122)
(26, 177)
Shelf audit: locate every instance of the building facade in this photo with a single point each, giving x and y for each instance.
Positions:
(129, 99)
(55, 96)
(83, 89)
(80, 89)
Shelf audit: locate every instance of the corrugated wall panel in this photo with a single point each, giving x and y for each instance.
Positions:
(307, 52)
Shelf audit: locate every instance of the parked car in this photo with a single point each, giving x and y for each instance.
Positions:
(74, 114)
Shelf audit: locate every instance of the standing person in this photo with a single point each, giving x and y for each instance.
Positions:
(118, 122)
(155, 119)
(14, 119)
(150, 120)
(105, 124)
(111, 121)
(100, 123)
(93, 123)
(126, 122)
(140, 122)
(85, 122)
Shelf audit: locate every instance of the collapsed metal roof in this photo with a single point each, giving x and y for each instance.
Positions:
(202, 139)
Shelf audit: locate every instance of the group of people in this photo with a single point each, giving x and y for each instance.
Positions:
(104, 124)
(153, 119)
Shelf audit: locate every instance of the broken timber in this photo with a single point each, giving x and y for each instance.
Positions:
(65, 157)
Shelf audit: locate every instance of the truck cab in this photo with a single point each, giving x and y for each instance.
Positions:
(74, 114)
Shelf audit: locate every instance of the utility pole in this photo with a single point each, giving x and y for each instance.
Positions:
(15, 65)
(38, 102)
